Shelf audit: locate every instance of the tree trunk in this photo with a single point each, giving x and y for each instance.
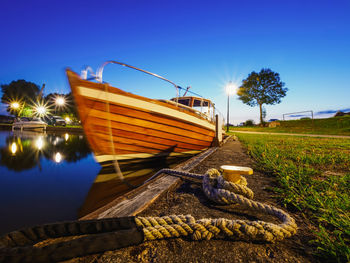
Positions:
(261, 117)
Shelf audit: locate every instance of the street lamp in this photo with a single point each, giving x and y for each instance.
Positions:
(60, 101)
(15, 105)
(230, 90)
(40, 110)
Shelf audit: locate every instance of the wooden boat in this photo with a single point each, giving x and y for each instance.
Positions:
(121, 125)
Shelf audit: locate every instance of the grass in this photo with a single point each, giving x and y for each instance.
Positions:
(67, 126)
(314, 177)
(333, 126)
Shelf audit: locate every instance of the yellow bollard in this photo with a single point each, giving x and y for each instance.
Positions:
(233, 173)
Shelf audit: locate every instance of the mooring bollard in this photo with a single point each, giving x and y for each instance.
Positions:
(233, 173)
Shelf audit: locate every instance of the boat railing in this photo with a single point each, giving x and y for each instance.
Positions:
(99, 73)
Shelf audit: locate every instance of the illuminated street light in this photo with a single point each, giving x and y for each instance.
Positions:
(67, 119)
(15, 105)
(230, 90)
(60, 101)
(41, 110)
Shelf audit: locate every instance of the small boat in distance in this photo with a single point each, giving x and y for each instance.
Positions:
(29, 124)
(120, 125)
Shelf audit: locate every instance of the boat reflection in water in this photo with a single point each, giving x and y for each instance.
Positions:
(48, 177)
(108, 185)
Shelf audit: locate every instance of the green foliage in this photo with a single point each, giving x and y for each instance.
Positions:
(261, 88)
(27, 95)
(314, 177)
(249, 123)
(27, 112)
(20, 90)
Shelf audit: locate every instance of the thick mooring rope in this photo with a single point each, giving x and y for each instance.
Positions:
(221, 191)
(96, 236)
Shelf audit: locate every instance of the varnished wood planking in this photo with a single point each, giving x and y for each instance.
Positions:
(102, 144)
(131, 130)
(102, 88)
(137, 146)
(139, 114)
(150, 132)
(141, 139)
(148, 124)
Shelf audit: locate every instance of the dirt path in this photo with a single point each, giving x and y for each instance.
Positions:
(296, 134)
(188, 198)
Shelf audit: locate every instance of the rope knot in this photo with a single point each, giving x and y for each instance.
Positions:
(217, 189)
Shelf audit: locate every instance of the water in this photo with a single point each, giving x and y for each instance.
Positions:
(53, 177)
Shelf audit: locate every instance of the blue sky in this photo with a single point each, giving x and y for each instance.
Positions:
(202, 44)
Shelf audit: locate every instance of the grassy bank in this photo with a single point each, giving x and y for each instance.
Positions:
(314, 177)
(334, 126)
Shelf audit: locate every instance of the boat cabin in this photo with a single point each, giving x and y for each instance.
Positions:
(202, 106)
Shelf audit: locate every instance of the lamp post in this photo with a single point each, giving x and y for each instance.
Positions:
(228, 112)
(230, 90)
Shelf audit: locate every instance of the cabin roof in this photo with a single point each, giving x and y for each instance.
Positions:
(193, 101)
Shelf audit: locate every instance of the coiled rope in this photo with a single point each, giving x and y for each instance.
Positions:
(96, 236)
(217, 189)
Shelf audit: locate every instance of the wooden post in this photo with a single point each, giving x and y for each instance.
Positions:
(218, 130)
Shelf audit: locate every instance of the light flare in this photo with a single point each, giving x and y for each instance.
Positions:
(40, 109)
(60, 101)
(39, 143)
(67, 119)
(13, 148)
(58, 157)
(15, 105)
(231, 88)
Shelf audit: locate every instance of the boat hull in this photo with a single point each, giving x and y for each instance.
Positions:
(120, 125)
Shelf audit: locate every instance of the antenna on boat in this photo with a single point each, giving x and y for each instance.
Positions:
(100, 71)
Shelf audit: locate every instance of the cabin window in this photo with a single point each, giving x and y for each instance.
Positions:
(200, 103)
(184, 102)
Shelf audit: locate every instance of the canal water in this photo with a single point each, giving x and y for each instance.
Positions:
(51, 177)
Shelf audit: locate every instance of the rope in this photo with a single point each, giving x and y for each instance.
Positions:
(221, 191)
(96, 236)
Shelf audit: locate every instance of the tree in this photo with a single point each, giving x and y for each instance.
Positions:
(263, 114)
(20, 91)
(261, 88)
(249, 123)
